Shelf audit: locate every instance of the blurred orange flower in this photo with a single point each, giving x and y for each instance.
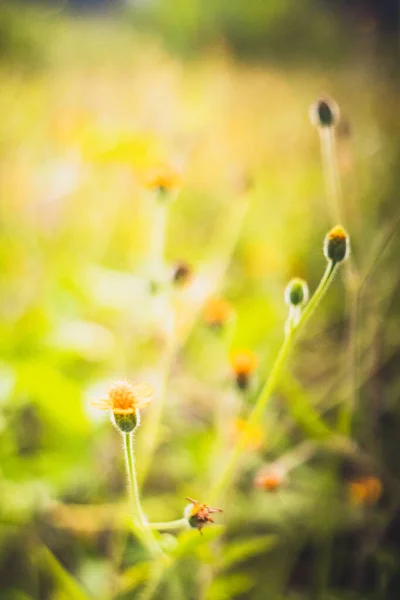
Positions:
(217, 312)
(367, 490)
(270, 478)
(163, 179)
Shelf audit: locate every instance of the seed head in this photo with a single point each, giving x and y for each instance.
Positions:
(324, 113)
(296, 293)
(337, 245)
(198, 514)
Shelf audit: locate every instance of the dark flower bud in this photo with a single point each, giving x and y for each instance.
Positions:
(296, 293)
(337, 245)
(324, 113)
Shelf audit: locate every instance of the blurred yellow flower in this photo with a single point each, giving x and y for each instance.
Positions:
(217, 311)
(253, 434)
(162, 179)
(125, 397)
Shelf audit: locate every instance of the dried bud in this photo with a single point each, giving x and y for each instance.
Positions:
(198, 514)
(296, 293)
(337, 245)
(324, 113)
(182, 274)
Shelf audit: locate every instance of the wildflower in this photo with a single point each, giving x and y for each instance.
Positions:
(270, 478)
(337, 245)
(217, 312)
(324, 113)
(182, 273)
(163, 180)
(243, 363)
(124, 399)
(296, 293)
(198, 514)
(252, 435)
(366, 490)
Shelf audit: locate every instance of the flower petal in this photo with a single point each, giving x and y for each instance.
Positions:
(104, 404)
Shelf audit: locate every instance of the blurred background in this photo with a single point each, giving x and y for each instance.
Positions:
(96, 94)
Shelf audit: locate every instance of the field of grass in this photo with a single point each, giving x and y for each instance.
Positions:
(92, 112)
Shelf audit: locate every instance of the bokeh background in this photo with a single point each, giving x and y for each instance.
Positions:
(93, 95)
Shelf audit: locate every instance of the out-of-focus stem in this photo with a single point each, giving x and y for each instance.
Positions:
(273, 379)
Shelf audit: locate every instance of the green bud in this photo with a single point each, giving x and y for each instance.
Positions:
(296, 293)
(324, 113)
(126, 423)
(337, 245)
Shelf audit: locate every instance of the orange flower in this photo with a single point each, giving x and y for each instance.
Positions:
(253, 434)
(243, 363)
(198, 514)
(271, 478)
(367, 490)
(217, 311)
(163, 179)
(125, 397)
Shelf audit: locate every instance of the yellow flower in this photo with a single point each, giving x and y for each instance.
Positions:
(125, 397)
(198, 514)
(217, 312)
(163, 179)
(252, 435)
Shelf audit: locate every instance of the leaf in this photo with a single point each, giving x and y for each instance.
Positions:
(135, 576)
(229, 586)
(190, 540)
(242, 550)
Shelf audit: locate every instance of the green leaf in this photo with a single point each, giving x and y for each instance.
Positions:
(229, 586)
(190, 541)
(242, 550)
(135, 576)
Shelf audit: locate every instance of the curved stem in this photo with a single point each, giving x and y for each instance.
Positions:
(139, 518)
(272, 381)
(168, 525)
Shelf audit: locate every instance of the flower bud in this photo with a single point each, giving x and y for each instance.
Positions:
(296, 293)
(337, 245)
(126, 423)
(182, 274)
(243, 363)
(324, 113)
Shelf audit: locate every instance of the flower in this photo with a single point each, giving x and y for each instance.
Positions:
(270, 478)
(124, 399)
(324, 113)
(337, 244)
(243, 363)
(163, 180)
(217, 312)
(251, 435)
(366, 490)
(198, 514)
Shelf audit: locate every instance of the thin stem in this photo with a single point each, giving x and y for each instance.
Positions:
(331, 172)
(272, 381)
(169, 525)
(139, 518)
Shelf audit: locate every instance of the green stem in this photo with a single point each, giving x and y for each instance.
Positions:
(272, 381)
(139, 518)
(168, 525)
